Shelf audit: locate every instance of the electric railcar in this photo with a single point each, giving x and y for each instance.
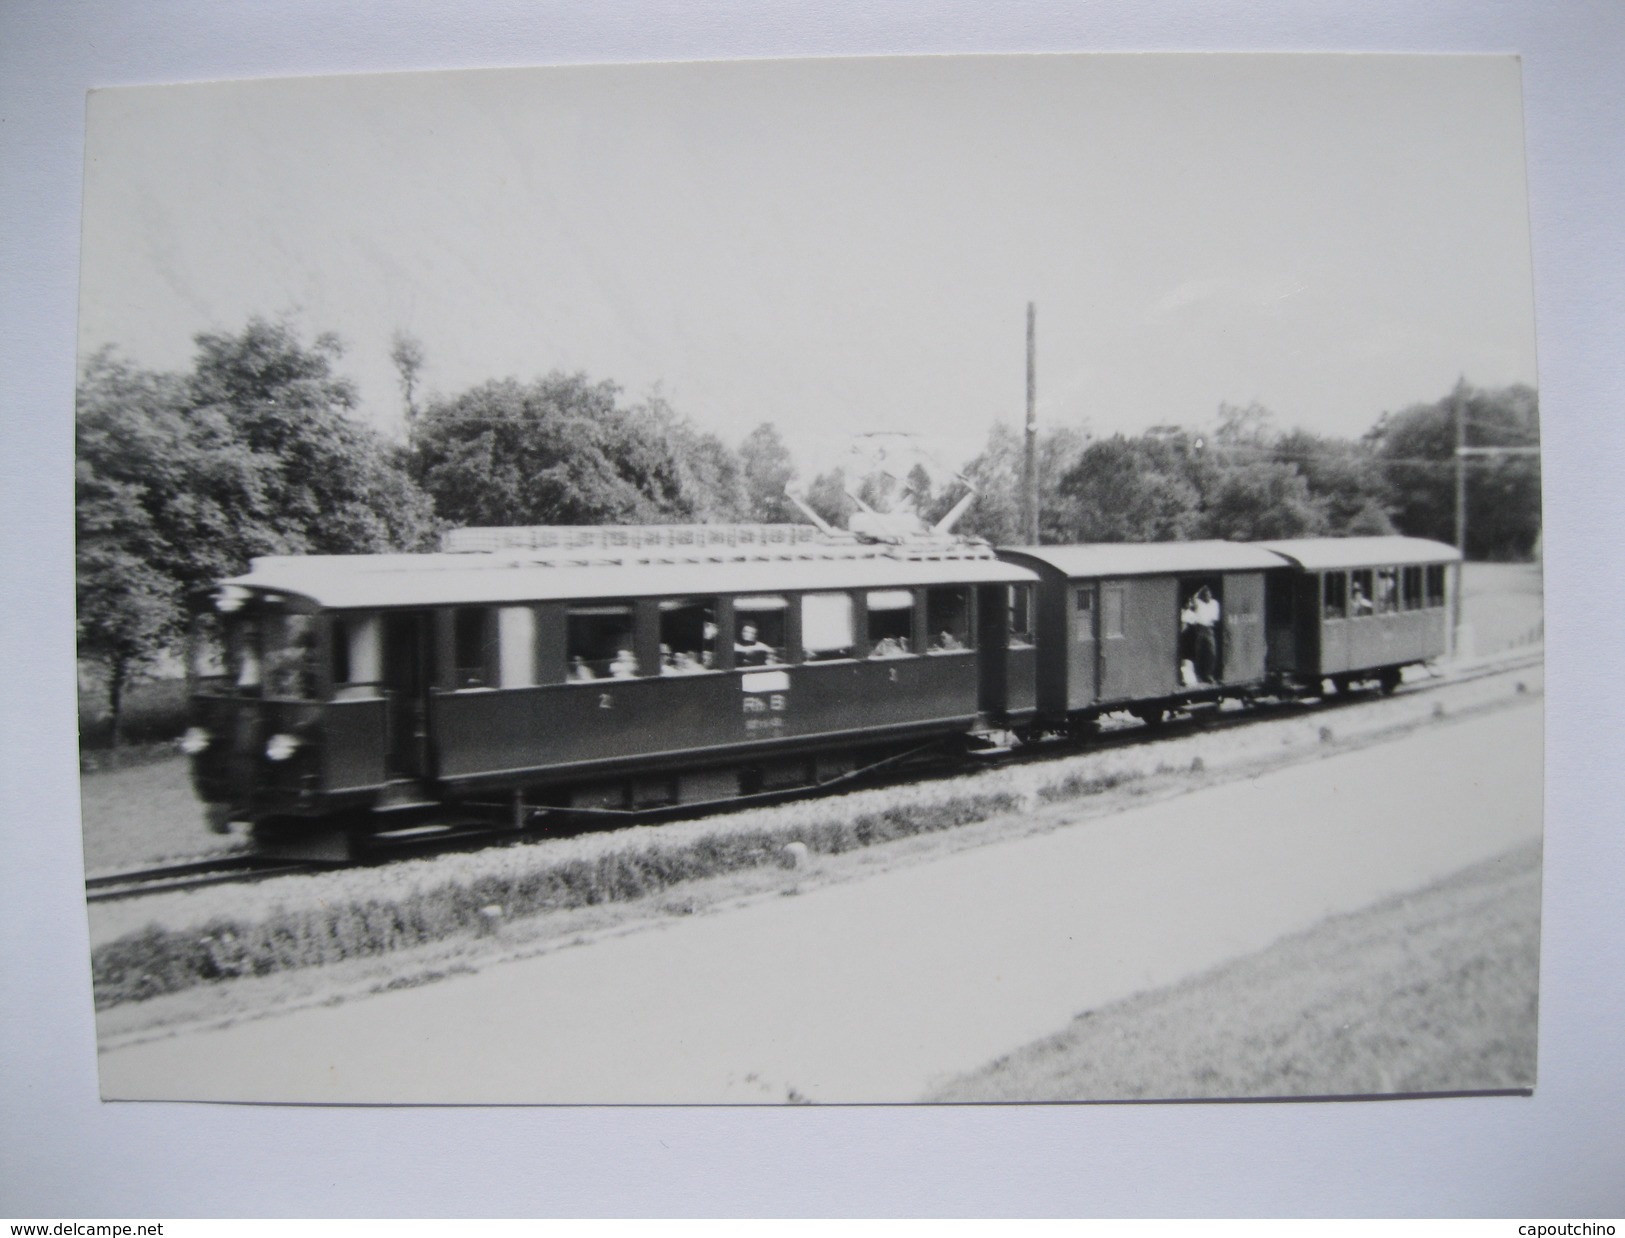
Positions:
(620, 669)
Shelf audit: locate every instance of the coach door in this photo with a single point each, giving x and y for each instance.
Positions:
(1082, 664)
(407, 641)
(1242, 660)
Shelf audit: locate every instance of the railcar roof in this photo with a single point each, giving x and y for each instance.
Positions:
(1113, 559)
(350, 582)
(1318, 554)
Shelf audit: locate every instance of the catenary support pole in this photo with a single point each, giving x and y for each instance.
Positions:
(1029, 480)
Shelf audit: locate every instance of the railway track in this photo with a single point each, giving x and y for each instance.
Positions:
(193, 874)
(1115, 732)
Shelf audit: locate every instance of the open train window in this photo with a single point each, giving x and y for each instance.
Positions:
(357, 655)
(474, 647)
(1435, 585)
(288, 646)
(826, 626)
(243, 669)
(1412, 591)
(1334, 596)
(759, 630)
(1361, 596)
(206, 653)
(1278, 601)
(947, 619)
(688, 636)
(1021, 616)
(891, 623)
(1387, 590)
(598, 643)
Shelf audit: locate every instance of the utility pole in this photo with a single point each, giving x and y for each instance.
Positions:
(1459, 406)
(1029, 481)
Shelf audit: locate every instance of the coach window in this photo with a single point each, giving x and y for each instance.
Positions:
(1084, 629)
(598, 643)
(357, 656)
(474, 647)
(891, 623)
(1361, 594)
(206, 652)
(290, 656)
(947, 619)
(1387, 590)
(688, 636)
(1435, 585)
(243, 653)
(1021, 616)
(759, 630)
(1111, 613)
(1335, 596)
(1412, 593)
(826, 626)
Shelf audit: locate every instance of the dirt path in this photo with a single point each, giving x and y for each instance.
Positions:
(880, 989)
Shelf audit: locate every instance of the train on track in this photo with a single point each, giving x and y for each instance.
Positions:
(525, 672)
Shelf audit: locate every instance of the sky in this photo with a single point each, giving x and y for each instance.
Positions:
(842, 246)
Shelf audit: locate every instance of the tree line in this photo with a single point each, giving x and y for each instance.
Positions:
(257, 449)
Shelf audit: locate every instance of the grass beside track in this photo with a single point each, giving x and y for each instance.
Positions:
(158, 960)
(1433, 991)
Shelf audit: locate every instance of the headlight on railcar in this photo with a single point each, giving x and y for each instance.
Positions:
(282, 746)
(195, 740)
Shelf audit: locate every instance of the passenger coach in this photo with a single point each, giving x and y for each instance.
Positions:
(1120, 626)
(1358, 609)
(606, 669)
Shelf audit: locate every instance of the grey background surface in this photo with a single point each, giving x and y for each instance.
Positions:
(64, 1154)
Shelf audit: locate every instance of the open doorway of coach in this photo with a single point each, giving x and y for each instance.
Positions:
(1201, 645)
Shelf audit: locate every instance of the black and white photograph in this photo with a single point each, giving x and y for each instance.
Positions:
(946, 580)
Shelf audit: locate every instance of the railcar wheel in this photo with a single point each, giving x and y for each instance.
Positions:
(1389, 680)
(1152, 717)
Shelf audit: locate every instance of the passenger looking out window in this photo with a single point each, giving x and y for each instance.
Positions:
(759, 638)
(598, 643)
(947, 619)
(688, 636)
(1360, 601)
(1336, 595)
(891, 623)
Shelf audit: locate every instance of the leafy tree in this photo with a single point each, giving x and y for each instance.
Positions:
(329, 484)
(1258, 501)
(1416, 449)
(997, 473)
(1344, 477)
(712, 479)
(827, 496)
(406, 353)
(767, 471)
(562, 450)
(182, 479)
(1129, 490)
